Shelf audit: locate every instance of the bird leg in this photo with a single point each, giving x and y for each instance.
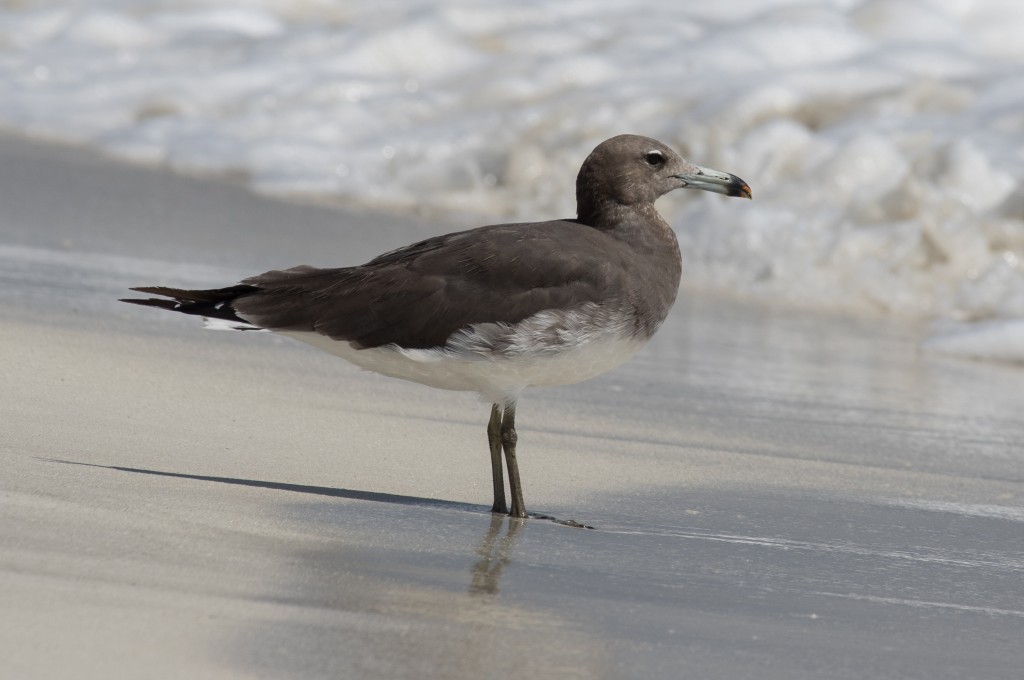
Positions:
(508, 442)
(494, 440)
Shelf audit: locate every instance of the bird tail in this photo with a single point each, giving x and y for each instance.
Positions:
(214, 305)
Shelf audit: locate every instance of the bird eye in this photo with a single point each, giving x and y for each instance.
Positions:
(654, 158)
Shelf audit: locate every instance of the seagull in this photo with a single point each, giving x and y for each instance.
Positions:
(496, 309)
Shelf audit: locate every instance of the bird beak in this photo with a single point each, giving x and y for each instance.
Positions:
(717, 181)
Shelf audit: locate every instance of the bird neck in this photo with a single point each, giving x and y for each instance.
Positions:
(638, 224)
(651, 255)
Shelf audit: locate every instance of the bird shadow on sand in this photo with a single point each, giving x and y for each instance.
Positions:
(333, 492)
(494, 551)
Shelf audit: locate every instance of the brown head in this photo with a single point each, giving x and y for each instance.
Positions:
(630, 170)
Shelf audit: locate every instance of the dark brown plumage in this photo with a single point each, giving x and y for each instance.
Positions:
(502, 293)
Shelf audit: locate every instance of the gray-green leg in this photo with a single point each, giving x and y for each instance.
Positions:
(494, 440)
(508, 442)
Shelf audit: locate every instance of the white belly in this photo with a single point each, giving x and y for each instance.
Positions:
(497, 377)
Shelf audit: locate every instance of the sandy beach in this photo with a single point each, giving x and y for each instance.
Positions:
(773, 493)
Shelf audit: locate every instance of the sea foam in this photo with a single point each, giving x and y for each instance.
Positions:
(882, 139)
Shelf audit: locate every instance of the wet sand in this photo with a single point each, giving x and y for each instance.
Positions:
(774, 493)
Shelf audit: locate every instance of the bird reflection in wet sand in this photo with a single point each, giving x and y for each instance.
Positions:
(494, 555)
